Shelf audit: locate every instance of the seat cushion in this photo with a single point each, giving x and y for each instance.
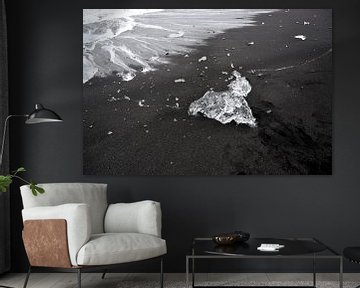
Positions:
(352, 253)
(114, 248)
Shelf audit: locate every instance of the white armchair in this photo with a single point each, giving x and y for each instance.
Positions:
(72, 228)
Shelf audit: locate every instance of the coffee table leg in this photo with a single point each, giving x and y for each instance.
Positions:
(341, 273)
(187, 272)
(193, 272)
(314, 271)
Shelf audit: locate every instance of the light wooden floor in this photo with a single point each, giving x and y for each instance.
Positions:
(114, 280)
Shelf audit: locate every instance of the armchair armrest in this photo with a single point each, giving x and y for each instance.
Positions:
(138, 217)
(77, 217)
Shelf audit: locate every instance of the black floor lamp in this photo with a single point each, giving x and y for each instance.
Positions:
(39, 115)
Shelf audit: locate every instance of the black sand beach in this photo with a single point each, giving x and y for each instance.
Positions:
(293, 106)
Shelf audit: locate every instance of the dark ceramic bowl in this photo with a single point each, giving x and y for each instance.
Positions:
(225, 239)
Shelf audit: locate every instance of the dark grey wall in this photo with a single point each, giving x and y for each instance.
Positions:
(46, 66)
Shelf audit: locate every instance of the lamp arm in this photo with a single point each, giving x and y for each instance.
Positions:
(4, 134)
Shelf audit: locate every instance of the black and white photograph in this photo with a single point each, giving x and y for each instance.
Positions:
(207, 92)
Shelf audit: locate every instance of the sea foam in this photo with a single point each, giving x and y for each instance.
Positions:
(131, 41)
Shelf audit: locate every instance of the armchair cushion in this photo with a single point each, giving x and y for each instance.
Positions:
(78, 221)
(92, 194)
(113, 248)
(138, 217)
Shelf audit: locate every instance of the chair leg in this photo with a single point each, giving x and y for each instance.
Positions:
(103, 275)
(79, 277)
(27, 277)
(161, 273)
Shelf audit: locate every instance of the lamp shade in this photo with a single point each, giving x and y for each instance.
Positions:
(42, 115)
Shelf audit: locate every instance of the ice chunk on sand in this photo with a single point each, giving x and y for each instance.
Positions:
(204, 58)
(109, 132)
(141, 103)
(301, 37)
(226, 106)
(113, 99)
(127, 76)
(181, 80)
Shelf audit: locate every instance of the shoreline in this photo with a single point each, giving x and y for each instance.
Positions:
(149, 136)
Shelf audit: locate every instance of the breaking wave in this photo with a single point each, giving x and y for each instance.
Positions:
(129, 41)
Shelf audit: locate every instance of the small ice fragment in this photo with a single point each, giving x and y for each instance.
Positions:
(109, 132)
(306, 23)
(286, 46)
(113, 99)
(168, 70)
(250, 43)
(127, 98)
(224, 72)
(206, 67)
(127, 76)
(301, 37)
(232, 65)
(268, 111)
(262, 23)
(204, 58)
(118, 91)
(91, 126)
(171, 162)
(176, 98)
(241, 67)
(180, 80)
(186, 55)
(146, 131)
(141, 103)
(175, 120)
(228, 54)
